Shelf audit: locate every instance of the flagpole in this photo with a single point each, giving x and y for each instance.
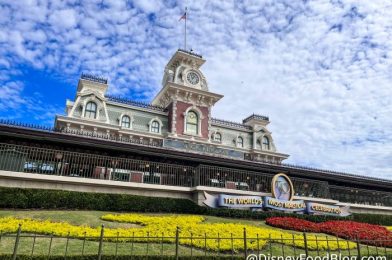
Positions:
(186, 18)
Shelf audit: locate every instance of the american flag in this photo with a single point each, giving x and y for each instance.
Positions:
(183, 17)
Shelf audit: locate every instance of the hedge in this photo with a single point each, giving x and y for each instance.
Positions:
(18, 198)
(120, 257)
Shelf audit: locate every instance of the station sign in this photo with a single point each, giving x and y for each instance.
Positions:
(285, 205)
(282, 191)
(240, 201)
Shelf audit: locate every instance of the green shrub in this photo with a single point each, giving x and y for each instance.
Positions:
(121, 257)
(56, 199)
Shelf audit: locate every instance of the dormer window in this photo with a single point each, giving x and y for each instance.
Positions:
(217, 137)
(266, 143)
(91, 110)
(240, 142)
(126, 122)
(192, 123)
(155, 127)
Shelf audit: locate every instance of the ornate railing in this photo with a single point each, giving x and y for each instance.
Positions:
(96, 135)
(230, 123)
(257, 117)
(135, 103)
(191, 53)
(94, 78)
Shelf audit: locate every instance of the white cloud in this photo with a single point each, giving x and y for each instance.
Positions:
(148, 6)
(10, 94)
(63, 19)
(320, 69)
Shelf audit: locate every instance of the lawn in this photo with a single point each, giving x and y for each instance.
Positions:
(63, 246)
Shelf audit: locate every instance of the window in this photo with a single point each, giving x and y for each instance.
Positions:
(126, 121)
(266, 143)
(91, 110)
(155, 127)
(217, 137)
(240, 142)
(192, 122)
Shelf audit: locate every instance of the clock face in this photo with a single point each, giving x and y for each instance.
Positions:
(192, 78)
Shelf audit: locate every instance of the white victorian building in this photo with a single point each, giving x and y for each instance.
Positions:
(179, 116)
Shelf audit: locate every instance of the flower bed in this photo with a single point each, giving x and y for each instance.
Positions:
(157, 226)
(366, 233)
(293, 224)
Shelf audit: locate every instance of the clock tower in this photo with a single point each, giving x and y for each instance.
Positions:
(186, 96)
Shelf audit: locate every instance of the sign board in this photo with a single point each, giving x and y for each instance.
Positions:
(202, 148)
(240, 201)
(323, 209)
(284, 205)
(281, 200)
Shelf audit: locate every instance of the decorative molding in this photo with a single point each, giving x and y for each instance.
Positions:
(199, 122)
(99, 107)
(131, 119)
(243, 141)
(160, 125)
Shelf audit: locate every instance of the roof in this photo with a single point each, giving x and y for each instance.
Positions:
(230, 123)
(191, 53)
(94, 78)
(134, 103)
(256, 117)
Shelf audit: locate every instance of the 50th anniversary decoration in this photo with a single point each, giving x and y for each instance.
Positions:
(282, 191)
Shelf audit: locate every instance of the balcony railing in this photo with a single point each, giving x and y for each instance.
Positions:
(114, 138)
(135, 103)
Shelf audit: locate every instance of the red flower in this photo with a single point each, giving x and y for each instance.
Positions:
(351, 230)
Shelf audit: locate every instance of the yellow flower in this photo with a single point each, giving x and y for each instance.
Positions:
(192, 230)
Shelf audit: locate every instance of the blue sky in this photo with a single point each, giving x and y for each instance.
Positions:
(321, 70)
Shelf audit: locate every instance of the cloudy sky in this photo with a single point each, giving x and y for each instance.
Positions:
(321, 70)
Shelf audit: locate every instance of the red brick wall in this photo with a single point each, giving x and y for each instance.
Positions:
(180, 119)
(204, 123)
(170, 118)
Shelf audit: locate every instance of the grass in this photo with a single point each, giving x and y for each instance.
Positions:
(58, 246)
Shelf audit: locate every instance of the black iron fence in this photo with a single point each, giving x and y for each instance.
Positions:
(73, 164)
(234, 246)
(28, 159)
(158, 143)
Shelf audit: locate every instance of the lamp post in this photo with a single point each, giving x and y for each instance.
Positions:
(59, 157)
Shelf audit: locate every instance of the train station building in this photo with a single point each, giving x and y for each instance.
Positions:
(170, 147)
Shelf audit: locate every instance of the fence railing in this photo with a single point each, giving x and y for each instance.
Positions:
(28, 159)
(228, 246)
(159, 143)
(85, 165)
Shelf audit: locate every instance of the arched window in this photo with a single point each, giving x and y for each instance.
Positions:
(240, 142)
(126, 122)
(192, 123)
(91, 110)
(155, 126)
(266, 143)
(217, 137)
